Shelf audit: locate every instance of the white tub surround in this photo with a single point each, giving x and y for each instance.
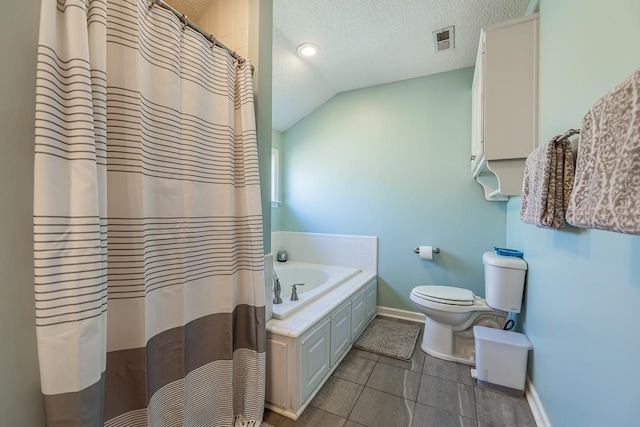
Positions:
(303, 319)
(317, 279)
(306, 347)
(328, 249)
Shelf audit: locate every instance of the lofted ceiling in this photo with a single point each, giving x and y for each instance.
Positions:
(369, 42)
(363, 43)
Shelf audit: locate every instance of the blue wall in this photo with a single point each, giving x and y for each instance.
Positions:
(393, 161)
(583, 286)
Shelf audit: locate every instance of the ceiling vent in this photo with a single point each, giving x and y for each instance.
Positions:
(443, 39)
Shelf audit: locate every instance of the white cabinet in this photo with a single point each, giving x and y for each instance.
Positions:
(371, 300)
(299, 362)
(358, 315)
(315, 357)
(340, 333)
(505, 105)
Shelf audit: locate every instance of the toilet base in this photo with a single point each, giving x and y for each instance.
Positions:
(444, 342)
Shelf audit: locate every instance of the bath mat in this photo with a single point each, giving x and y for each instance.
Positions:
(389, 338)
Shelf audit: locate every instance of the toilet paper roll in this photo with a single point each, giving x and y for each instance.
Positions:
(426, 252)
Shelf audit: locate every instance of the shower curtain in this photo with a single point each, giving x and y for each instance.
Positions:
(148, 254)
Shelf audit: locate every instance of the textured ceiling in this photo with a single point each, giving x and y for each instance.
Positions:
(194, 9)
(365, 43)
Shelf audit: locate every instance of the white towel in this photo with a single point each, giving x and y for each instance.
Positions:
(548, 179)
(606, 192)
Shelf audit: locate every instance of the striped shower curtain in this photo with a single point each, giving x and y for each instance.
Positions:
(148, 254)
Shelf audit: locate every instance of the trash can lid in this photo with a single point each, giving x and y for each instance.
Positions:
(503, 337)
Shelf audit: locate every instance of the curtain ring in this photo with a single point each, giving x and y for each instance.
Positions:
(151, 3)
(212, 40)
(184, 22)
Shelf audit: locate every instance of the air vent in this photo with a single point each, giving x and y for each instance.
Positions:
(443, 39)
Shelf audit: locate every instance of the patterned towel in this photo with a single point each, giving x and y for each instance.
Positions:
(548, 179)
(607, 188)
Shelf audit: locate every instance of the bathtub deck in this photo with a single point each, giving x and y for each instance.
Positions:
(316, 284)
(296, 324)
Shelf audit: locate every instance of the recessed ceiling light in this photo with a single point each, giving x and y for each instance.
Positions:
(308, 49)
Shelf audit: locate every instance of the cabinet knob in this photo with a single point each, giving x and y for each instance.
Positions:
(473, 157)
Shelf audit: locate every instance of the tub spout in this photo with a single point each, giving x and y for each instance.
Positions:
(294, 291)
(276, 289)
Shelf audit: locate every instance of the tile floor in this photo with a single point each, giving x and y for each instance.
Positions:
(377, 391)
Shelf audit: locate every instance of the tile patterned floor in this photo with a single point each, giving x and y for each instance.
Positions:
(376, 391)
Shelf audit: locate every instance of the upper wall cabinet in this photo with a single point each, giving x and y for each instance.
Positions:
(505, 105)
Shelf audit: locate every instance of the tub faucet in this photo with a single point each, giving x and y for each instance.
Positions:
(276, 289)
(294, 291)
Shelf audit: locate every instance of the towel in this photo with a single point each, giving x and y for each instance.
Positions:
(548, 179)
(606, 192)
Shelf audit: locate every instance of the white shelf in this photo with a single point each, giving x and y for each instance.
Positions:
(489, 182)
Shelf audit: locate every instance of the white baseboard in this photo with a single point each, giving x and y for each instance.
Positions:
(401, 314)
(539, 414)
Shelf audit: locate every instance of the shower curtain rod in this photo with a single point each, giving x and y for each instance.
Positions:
(192, 25)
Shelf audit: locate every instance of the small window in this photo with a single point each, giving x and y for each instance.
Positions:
(275, 178)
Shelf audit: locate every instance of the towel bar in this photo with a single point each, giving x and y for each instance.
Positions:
(568, 134)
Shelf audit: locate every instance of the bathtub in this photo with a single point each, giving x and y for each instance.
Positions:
(318, 279)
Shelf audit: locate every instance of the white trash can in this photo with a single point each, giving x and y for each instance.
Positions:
(501, 358)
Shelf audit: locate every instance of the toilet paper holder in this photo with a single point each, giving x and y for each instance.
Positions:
(436, 250)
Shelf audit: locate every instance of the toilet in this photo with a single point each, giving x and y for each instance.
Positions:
(452, 312)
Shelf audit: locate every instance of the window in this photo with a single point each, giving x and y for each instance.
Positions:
(275, 178)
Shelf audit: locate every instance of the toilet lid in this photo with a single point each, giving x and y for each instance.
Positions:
(445, 294)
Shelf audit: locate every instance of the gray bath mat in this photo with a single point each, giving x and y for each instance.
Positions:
(388, 338)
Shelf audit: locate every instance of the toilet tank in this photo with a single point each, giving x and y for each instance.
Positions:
(504, 281)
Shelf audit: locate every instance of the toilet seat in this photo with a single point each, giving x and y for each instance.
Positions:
(424, 298)
(445, 295)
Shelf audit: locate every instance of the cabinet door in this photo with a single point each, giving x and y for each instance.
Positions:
(277, 365)
(510, 89)
(315, 358)
(371, 300)
(358, 315)
(340, 333)
(477, 107)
